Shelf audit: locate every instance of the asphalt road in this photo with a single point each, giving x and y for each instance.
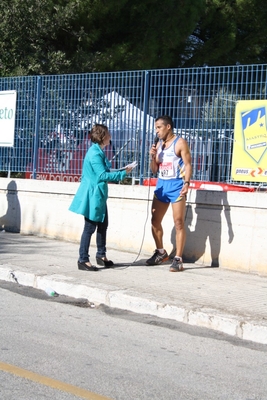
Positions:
(64, 348)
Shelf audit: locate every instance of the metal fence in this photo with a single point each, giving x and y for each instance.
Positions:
(54, 116)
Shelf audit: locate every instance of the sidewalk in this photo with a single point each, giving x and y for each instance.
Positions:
(226, 301)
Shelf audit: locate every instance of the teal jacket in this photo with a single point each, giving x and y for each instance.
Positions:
(91, 197)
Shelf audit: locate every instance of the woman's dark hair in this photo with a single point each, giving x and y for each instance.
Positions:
(98, 132)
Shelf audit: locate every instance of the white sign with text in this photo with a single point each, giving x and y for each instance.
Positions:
(7, 117)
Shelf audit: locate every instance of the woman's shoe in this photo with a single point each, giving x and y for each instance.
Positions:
(84, 267)
(105, 263)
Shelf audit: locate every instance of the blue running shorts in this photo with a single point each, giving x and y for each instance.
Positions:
(168, 190)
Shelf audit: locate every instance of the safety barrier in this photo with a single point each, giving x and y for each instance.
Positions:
(205, 185)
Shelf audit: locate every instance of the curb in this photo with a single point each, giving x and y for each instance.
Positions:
(232, 325)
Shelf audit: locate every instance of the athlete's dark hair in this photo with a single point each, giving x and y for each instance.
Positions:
(167, 120)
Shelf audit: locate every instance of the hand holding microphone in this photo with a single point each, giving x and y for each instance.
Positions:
(153, 150)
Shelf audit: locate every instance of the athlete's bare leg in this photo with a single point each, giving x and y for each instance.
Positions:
(158, 211)
(178, 210)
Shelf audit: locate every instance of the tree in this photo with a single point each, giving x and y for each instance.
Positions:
(73, 36)
(146, 34)
(230, 32)
(30, 31)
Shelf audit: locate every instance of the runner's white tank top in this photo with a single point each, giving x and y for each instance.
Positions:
(171, 166)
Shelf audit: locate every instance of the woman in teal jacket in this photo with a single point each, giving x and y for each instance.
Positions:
(91, 198)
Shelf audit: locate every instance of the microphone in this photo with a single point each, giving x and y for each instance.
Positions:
(156, 140)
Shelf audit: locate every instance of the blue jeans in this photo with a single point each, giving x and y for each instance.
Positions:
(101, 235)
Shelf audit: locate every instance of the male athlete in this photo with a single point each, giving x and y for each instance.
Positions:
(171, 160)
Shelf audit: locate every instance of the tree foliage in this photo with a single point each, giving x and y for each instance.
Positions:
(230, 32)
(68, 36)
(75, 36)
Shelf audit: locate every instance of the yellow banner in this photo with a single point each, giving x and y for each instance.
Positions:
(249, 162)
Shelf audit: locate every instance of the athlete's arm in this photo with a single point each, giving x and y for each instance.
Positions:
(182, 149)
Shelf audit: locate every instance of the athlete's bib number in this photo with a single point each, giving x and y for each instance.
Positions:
(166, 170)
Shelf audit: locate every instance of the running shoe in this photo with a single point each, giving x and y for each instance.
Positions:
(177, 265)
(157, 258)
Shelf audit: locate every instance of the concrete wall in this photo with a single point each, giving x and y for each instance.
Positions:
(225, 229)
